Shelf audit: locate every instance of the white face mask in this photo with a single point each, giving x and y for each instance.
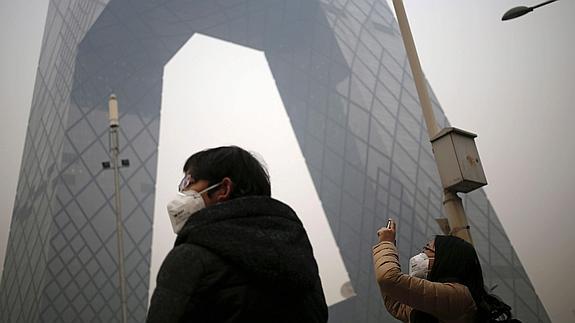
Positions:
(184, 205)
(419, 266)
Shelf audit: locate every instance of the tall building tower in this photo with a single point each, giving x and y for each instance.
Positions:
(342, 73)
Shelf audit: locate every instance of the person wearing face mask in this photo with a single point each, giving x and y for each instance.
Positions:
(445, 283)
(239, 255)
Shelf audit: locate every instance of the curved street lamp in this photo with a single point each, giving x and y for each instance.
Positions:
(522, 10)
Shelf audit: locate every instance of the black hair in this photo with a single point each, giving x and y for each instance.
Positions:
(456, 261)
(248, 175)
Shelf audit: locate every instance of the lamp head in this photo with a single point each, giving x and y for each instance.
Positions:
(516, 12)
(113, 111)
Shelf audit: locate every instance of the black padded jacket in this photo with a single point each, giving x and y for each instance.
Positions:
(244, 260)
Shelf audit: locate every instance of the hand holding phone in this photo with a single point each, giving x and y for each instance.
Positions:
(388, 232)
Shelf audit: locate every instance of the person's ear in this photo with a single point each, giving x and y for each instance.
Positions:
(225, 190)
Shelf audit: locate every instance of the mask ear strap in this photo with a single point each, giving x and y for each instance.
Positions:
(211, 187)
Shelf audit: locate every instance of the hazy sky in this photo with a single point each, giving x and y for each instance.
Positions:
(509, 82)
(21, 30)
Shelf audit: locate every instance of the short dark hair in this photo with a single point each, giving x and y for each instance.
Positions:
(248, 175)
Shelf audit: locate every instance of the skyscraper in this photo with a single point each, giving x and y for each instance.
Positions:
(341, 70)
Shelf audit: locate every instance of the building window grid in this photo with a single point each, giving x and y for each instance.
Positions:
(497, 274)
(60, 85)
(383, 99)
(42, 93)
(405, 139)
(56, 127)
(372, 46)
(75, 193)
(361, 91)
(35, 156)
(46, 40)
(351, 20)
(51, 72)
(44, 150)
(52, 126)
(387, 74)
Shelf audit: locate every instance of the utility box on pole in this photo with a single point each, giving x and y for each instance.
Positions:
(458, 161)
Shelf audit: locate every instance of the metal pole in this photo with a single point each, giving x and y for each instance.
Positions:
(418, 77)
(542, 4)
(456, 216)
(451, 202)
(115, 151)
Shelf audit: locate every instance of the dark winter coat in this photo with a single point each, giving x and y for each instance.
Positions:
(244, 260)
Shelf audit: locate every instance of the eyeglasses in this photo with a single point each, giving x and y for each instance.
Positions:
(184, 183)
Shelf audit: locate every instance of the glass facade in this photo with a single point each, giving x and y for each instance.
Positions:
(342, 73)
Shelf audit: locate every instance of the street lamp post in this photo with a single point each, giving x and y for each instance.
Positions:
(116, 164)
(447, 158)
(522, 10)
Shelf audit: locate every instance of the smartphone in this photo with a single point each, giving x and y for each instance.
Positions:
(389, 224)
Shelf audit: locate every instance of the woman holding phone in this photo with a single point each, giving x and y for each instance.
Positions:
(445, 282)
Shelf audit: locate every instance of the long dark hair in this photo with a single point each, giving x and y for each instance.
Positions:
(456, 262)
